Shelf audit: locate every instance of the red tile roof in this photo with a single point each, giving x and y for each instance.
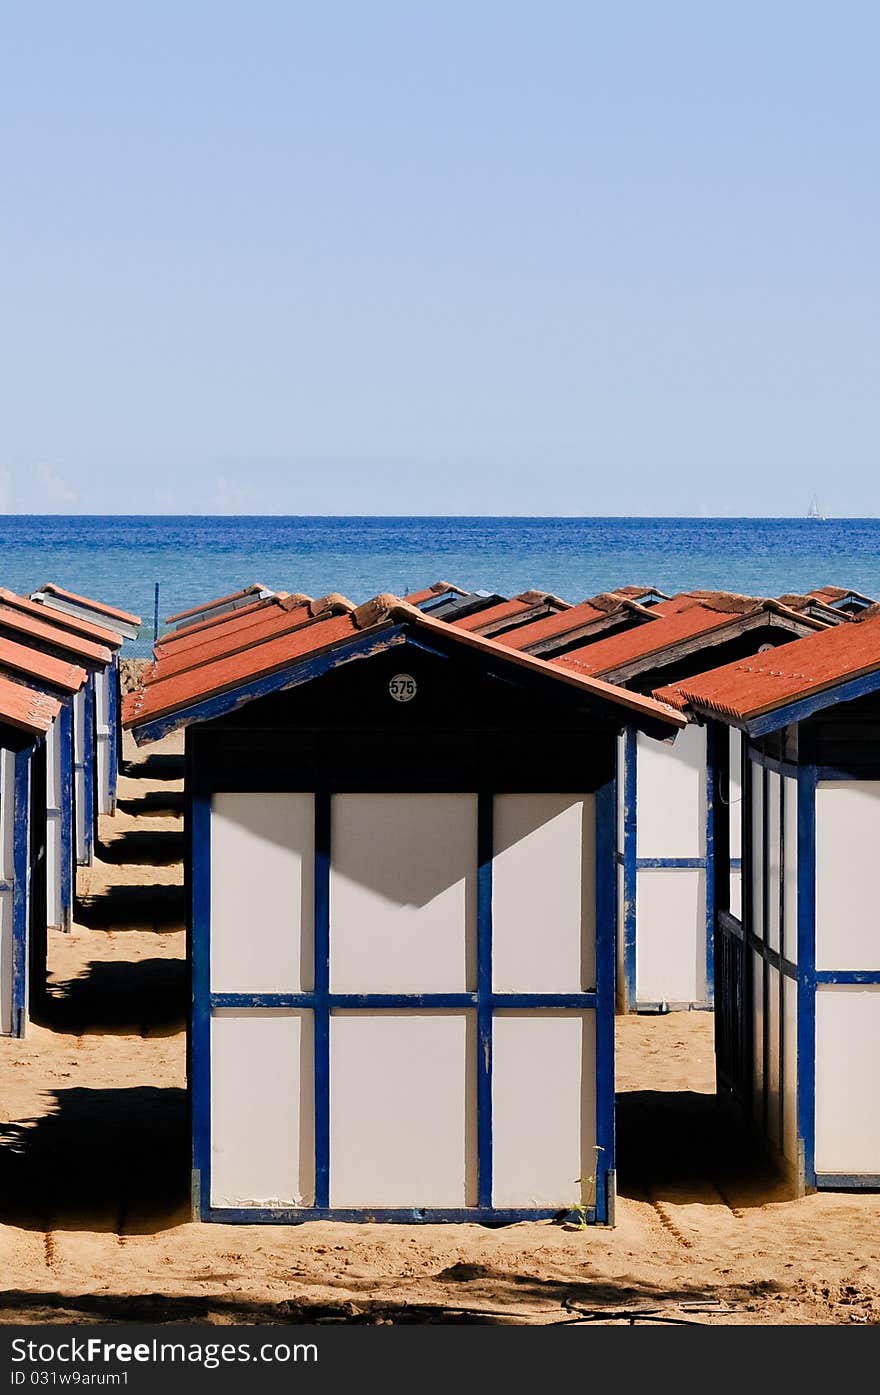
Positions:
(56, 635)
(271, 623)
(22, 707)
(437, 589)
(751, 687)
(671, 627)
(184, 690)
(561, 623)
(523, 605)
(255, 589)
(618, 648)
(110, 611)
(492, 615)
(31, 663)
(62, 620)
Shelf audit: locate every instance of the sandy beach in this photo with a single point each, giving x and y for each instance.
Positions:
(94, 1164)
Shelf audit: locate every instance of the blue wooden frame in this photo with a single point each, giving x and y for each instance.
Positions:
(88, 765)
(631, 864)
(20, 901)
(322, 1003)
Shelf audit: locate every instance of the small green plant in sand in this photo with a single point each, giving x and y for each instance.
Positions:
(577, 1216)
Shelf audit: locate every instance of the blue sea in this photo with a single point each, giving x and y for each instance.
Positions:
(120, 559)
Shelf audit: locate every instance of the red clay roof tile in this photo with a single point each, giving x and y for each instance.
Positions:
(750, 687)
(44, 632)
(25, 708)
(62, 620)
(31, 663)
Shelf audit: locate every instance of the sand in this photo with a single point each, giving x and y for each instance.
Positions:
(94, 1165)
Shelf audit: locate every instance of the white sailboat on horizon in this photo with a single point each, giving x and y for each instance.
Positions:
(814, 511)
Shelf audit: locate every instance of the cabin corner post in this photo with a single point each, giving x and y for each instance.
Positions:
(606, 937)
(714, 829)
(66, 779)
(806, 977)
(485, 1015)
(321, 996)
(199, 917)
(20, 869)
(113, 741)
(630, 834)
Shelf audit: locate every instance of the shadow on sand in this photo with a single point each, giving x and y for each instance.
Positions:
(684, 1146)
(119, 996)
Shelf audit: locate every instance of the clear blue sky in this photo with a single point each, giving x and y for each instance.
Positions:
(447, 257)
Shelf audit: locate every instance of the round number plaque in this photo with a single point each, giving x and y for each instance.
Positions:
(403, 687)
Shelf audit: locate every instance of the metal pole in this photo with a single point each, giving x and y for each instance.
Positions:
(156, 614)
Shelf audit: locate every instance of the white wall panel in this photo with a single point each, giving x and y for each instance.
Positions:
(403, 893)
(847, 843)
(736, 893)
(544, 893)
(621, 787)
(790, 868)
(102, 739)
(847, 1099)
(403, 1109)
(789, 1060)
(262, 892)
(54, 817)
(671, 795)
(262, 1109)
(735, 791)
(83, 804)
(774, 1079)
(543, 1108)
(619, 946)
(772, 845)
(757, 850)
(670, 934)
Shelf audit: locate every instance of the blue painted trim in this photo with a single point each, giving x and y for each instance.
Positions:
(606, 939)
(485, 854)
(781, 767)
(816, 702)
(89, 767)
(200, 1041)
(806, 942)
(321, 998)
(710, 865)
(641, 862)
(113, 725)
(630, 793)
(474, 1215)
(736, 864)
(844, 976)
(65, 871)
(295, 674)
(343, 1002)
(20, 898)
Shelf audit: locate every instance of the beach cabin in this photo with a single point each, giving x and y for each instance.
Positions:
(25, 719)
(100, 700)
(25, 623)
(401, 922)
(63, 681)
(666, 809)
(795, 742)
(507, 616)
(114, 622)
